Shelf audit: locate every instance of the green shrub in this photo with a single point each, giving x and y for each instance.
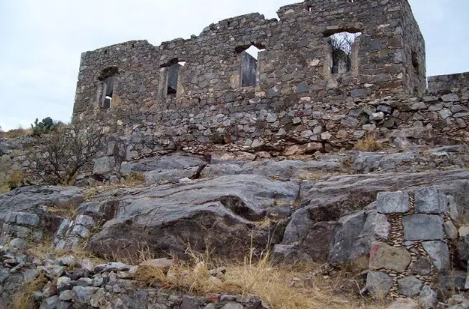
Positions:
(45, 126)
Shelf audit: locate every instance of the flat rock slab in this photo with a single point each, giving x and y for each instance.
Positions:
(439, 254)
(383, 256)
(430, 200)
(409, 286)
(423, 227)
(393, 202)
(378, 284)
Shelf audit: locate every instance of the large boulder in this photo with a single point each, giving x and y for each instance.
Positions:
(220, 215)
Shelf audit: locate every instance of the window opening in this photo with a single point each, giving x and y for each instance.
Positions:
(342, 44)
(415, 62)
(249, 56)
(108, 77)
(173, 77)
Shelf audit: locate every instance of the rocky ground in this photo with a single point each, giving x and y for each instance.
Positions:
(83, 247)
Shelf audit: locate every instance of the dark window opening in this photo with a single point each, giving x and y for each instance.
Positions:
(107, 78)
(172, 78)
(415, 63)
(249, 56)
(341, 44)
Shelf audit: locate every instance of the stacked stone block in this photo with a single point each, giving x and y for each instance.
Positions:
(412, 238)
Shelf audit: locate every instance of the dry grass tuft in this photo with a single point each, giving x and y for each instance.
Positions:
(24, 298)
(280, 287)
(16, 133)
(369, 144)
(134, 179)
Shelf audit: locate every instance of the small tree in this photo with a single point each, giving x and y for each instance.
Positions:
(62, 153)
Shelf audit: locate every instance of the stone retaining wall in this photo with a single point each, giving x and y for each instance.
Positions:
(414, 233)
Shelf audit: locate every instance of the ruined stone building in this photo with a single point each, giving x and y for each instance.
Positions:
(208, 89)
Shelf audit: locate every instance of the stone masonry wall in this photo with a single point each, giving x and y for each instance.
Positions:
(388, 57)
(414, 233)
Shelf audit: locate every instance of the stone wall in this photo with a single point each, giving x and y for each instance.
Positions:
(256, 120)
(387, 58)
(413, 235)
(444, 84)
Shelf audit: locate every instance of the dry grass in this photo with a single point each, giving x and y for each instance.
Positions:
(369, 144)
(16, 133)
(15, 180)
(67, 209)
(316, 175)
(134, 179)
(280, 287)
(24, 297)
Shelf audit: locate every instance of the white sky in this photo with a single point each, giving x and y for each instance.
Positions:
(42, 40)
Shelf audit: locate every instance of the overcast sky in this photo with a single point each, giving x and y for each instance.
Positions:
(41, 41)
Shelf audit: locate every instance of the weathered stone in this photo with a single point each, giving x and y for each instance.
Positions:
(392, 202)
(387, 257)
(233, 305)
(409, 286)
(345, 237)
(27, 219)
(158, 263)
(404, 304)
(66, 295)
(430, 200)
(104, 165)
(422, 267)
(450, 230)
(81, 231)
(63, 283)
(382, 226)
(82, 295)
(378, 284)
(427, 298)
(19, 243)
(423, 227)
(84, 220)
(439, 255)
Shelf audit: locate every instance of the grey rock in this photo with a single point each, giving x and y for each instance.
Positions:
(85, 282)
(189, 302)
(393, 202)
(422, 267)
(451, 97)
(439, 255)
(4, 274)
(430, 200)
(233, 305)
(382, 226)
(19, 243)
(423, 227)
(27, 198)
(29, 275)
(235, 202)
(81, 231)
(27, 219)
(66, 295)
(427, 298)
(84, 220)
(82, 295)
(104, 165)
(350, 227)
(64, 283)
(409, 286)
(378, 284)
